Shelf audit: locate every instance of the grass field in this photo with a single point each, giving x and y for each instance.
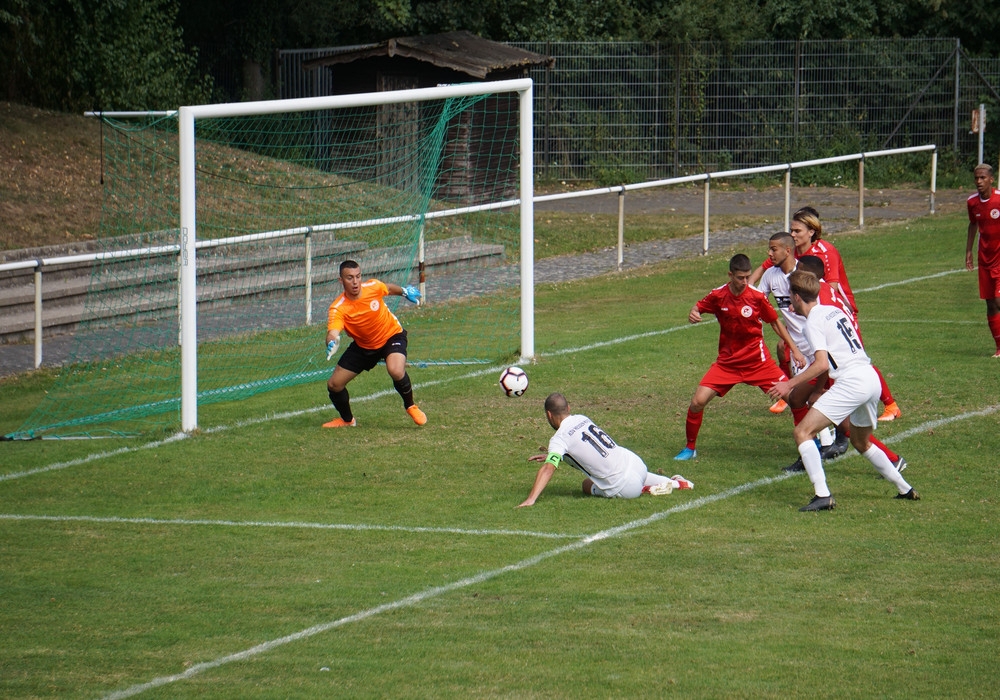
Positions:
(265, 557)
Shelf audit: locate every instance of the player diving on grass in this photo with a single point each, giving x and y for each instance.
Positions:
(741, 311)
(377, 335)
(839, 353)
(612, 470)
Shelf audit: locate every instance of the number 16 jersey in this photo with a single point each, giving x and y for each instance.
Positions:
(592, 451)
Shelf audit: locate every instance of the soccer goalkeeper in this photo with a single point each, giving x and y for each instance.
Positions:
(376, 335)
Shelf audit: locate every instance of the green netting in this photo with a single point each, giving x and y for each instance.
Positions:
(355, 183)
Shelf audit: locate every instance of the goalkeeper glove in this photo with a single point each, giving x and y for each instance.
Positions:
(331, 348)
(412, 294)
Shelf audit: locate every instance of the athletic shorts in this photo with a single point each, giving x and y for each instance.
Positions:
(989, 281)
(627, 485)
(721, 379)
(357, 359)
(856, 395)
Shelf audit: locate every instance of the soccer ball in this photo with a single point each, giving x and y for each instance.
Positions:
(513, 381)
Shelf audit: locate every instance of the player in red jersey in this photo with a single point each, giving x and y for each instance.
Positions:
(807, 231)
(984, 218)
(377, 335)
(743, 357)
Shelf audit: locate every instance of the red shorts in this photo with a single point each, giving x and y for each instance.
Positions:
(721, 379)
(989, 281)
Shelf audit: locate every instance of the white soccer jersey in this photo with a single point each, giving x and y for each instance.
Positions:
(829, 328)
(775, 283)
(592, 451)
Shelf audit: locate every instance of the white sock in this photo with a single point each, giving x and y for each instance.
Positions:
(825, 438)
(814, 467)
(884, 466)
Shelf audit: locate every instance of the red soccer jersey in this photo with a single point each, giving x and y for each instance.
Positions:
(833, 267)
(986, 214)
(741, 332)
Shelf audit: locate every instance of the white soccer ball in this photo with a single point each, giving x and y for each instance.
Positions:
(513, 381)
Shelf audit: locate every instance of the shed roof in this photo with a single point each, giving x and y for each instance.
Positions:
(461, 51)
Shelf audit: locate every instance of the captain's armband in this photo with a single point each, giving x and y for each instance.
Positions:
(554, 459)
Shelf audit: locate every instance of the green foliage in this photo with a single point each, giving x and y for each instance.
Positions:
(93, 54)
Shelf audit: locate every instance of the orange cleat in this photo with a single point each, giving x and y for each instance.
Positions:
(341, 423)
(779, 406)
(891, 412)
(418, 416)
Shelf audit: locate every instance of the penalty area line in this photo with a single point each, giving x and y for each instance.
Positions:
(436, 591)
(114, 520)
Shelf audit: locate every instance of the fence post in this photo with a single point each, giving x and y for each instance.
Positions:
(621, 227)
(861, 192)
(708, 187)
(309, 268)
(788, 197)
(958, 74)
(933, 177)
(38, 314)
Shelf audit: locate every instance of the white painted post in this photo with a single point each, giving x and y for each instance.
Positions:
(527, 225)
(189, 273)
(708, 188)
(861, 192)
(38, 315)
(621, 228)
(933, 177)
(309, 275)
(788, 197)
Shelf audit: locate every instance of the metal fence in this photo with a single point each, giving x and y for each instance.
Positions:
(626, 111)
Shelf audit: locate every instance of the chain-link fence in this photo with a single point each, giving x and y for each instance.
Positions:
(626, 111)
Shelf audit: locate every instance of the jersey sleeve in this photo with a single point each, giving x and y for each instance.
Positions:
(709, 304)
(767, 312)
(334, 318)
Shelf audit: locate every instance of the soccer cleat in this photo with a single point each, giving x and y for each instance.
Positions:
(663, 489)
(819, 503)
(686, 454)
(779, 406)
(910, 495)
(418, 416)
(837, 448)
(891, 412)
(900, 464)
(796, 466)
(341, 423)
(682, 483)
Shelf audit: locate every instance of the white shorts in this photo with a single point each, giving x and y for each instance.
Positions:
(627, 485)
(855, 394)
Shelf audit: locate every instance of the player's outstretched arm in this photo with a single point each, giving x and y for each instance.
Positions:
(541, 481)
(332, 341)
(695, 315)
(969, 260)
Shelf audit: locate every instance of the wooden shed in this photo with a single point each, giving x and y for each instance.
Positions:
(480, 142)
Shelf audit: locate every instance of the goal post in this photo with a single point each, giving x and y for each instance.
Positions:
(189, 116)
(221, 222)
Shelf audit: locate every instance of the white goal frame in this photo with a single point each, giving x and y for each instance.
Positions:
(187, 117)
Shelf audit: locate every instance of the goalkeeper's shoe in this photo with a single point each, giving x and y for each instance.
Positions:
(779, 406)
(891, 412)
(418, 416)
(341, 423)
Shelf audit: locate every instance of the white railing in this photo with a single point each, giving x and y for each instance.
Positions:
(306, 231)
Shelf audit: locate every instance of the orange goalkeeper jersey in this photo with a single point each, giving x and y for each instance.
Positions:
(366, 319)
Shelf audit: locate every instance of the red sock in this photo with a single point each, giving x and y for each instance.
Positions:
(881, 445)
(785, 361)
(798, 414)
(886, 396)
(994, 322)
(692, 426)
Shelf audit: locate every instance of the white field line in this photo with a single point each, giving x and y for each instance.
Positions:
(325, 407)
(352, 527)
(482, 577)
(380, 394)
(436, 591)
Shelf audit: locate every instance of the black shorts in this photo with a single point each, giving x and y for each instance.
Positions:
(356, 359)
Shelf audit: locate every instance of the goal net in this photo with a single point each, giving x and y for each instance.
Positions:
(224, 227)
